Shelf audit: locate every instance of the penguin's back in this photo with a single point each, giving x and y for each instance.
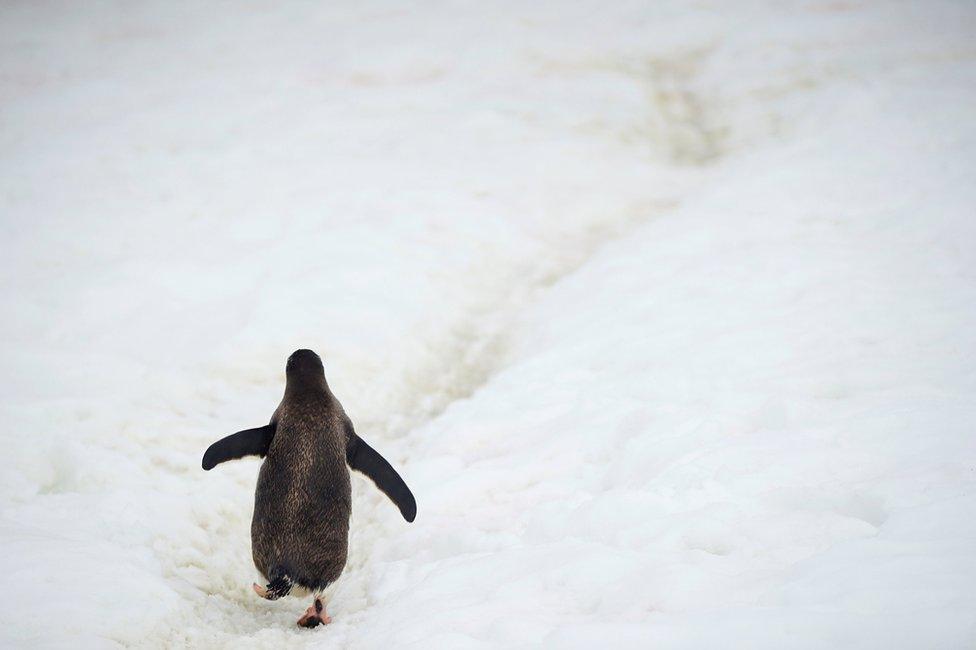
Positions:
(303, 498)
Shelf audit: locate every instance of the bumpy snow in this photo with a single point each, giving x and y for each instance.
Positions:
(665, 311)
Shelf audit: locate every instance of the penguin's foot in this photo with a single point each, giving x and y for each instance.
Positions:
(315, 615)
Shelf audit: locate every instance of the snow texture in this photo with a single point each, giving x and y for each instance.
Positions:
(666, 312)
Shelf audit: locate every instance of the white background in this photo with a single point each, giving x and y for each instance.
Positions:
(665, 311)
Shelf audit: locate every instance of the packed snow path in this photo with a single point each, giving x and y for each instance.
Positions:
(666, 314)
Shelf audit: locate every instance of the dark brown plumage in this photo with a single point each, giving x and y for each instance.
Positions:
(300, 528)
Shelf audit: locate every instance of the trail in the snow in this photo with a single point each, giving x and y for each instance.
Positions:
(469, 354)
(681, 128)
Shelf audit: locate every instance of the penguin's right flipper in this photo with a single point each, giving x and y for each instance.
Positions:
(250, 442)
(363, 458)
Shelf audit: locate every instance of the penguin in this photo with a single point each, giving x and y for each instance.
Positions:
(300, 528)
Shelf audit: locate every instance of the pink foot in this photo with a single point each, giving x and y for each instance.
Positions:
(315, 615)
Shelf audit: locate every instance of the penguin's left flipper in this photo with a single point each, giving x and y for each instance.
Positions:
(250, 442)
(363, 458)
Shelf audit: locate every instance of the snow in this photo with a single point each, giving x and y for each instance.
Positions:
(666, 313)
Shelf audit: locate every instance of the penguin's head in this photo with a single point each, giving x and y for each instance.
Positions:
(304, 367)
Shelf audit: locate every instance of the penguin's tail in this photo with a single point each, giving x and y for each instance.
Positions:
(279, 586)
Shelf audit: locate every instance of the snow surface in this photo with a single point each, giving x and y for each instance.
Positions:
(665, 311)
